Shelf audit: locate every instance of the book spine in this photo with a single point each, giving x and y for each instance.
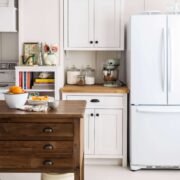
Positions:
(20, 79)
(28, 80)
(25, 80)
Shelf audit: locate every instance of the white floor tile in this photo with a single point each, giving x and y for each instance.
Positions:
(119, 173)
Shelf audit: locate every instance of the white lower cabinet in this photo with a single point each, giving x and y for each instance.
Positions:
(105, 126)
(89, 132)
(108, 132)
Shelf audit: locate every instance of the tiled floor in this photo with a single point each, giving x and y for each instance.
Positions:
(119, 173)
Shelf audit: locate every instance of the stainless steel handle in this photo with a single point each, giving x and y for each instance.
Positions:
(169, 60)
(164, 60)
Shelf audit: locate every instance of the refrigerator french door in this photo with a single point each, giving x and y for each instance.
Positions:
(155, 91)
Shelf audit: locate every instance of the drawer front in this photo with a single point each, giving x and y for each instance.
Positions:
(99, 101)
(37, 147)
(35, 164)
(36, 131)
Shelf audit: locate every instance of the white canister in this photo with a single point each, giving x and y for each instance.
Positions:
(72, 74)
(51, 176)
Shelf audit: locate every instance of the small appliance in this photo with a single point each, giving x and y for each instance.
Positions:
(111, 73)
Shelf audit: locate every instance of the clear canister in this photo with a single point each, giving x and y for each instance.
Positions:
(89, 74)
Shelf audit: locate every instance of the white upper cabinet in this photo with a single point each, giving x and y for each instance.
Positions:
(94, 25)
(79, 31)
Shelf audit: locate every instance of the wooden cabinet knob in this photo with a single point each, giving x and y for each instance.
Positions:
(48, 147)
(48, 130)
(48, 163)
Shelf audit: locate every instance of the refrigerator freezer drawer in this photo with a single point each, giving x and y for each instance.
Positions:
(155, 136)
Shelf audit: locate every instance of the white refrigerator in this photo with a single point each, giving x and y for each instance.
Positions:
(154, 82)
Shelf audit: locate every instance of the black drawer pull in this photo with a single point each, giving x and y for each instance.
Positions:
(92, 114)
(48, 147)
(91, 42)
(48, 130)
(96, 42)
(48, 163)
(95, 100)
(97, 115)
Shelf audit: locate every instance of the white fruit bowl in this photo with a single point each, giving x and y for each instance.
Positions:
(16, 100)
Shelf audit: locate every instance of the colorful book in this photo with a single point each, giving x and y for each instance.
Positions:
(44, 80)
(20, 79)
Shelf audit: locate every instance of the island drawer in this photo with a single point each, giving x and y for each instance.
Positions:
(37, 147)
(36, 131)
(33, 163)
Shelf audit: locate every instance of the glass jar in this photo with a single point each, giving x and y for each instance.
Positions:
(72, 74)
(81, 80)
(89, 74)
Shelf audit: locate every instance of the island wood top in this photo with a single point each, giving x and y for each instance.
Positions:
(94, 89)
(66, 109)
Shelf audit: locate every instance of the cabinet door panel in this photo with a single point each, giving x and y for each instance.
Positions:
(80, 25)
(107, 23)
(89, 132)
(108, 132)
(148, 60)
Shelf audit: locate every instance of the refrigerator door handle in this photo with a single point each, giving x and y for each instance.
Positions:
(170, 60)
(164, 60)
(156, 110)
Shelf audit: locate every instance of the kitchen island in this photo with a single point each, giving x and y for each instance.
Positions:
(43, 141)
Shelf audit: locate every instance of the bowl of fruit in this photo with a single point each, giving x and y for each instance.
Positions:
(16, 97)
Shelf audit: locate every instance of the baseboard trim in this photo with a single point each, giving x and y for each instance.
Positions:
(117, 162)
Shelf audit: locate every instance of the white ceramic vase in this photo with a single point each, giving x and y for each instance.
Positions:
(50, 59)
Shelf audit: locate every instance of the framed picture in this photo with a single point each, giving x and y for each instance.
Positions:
(31, 53)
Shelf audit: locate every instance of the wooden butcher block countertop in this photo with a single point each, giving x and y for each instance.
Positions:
(93, 89)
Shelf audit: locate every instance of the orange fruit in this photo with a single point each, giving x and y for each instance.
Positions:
(16, 90)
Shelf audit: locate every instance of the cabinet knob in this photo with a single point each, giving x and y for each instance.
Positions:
(48, 147)
(95, 100)
(48, 130)
(48, 163)
(92, 114)
(91, 42)
(96, 42)
(97, 115)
